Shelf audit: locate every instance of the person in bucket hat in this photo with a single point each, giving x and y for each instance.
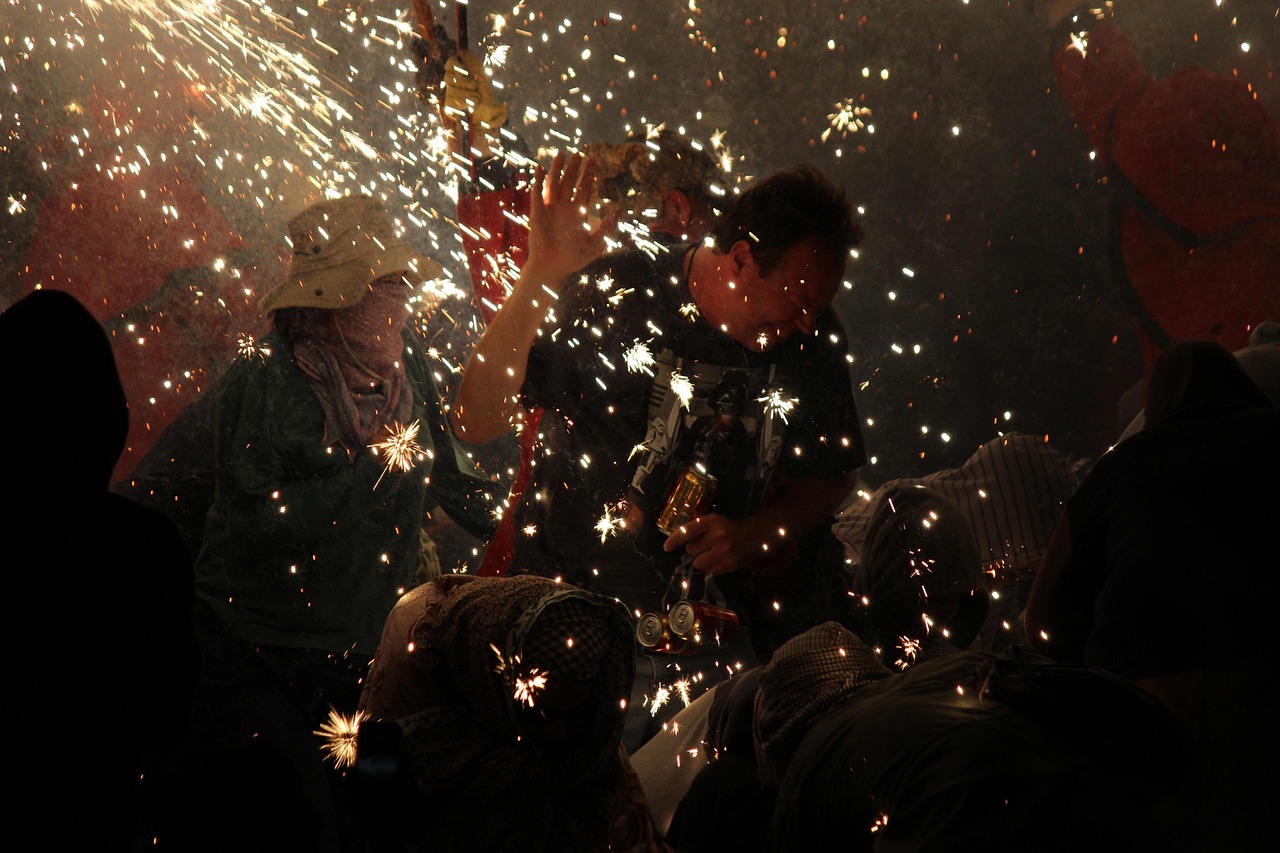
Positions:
(340, 246)
(331, 449)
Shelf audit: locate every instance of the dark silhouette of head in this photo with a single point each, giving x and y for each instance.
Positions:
(68, 417)
(1193, 373)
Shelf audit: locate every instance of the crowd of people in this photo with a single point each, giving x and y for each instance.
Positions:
(694, 626)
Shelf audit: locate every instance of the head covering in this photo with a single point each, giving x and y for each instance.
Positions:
(66, 418)
(566, 639)
(1011, 491)
(453, 655)
(339, 246)
(633, 177)
(1192, 374)
(920, 550)
(806, 676)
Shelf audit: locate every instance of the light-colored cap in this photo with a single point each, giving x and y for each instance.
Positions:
(339, 246)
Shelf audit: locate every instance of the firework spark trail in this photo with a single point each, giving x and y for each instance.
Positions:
(401, 448)
(609, 524)
(340, 734)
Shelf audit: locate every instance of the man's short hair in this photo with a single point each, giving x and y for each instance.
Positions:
(780, 210)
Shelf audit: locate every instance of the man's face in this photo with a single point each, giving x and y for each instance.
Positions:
(762, 310)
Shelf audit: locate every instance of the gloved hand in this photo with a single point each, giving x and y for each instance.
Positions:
(468, 92)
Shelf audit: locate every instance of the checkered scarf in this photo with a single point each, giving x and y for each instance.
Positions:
(806, 676)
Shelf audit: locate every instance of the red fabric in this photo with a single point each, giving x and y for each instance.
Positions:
(497, 557)
(496, 248)
(112, 241)
(1204, 152)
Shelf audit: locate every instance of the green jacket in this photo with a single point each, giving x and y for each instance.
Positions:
(305, 546)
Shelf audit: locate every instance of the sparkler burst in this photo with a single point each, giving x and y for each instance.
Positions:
(911, 648)
(401, 448)
(340, 734)
(682, 387)
(777, 405)
(247, 346)
(660, 697)
(848, 118)
(682, 687)
(528, 687)
(609, 524)
(639, 359)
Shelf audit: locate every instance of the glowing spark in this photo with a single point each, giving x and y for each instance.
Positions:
(689, 310)
(247, 347)
(608, 525)
(604, 283)
(660, 698)
(775, 405)
(682, 690)
(402, 448)
(340, 733)
(639, 359)
(527, 689)
(763, 340)
(911, 648)
(497, 56)
(848, 118)
(16, 206)
(681, 387)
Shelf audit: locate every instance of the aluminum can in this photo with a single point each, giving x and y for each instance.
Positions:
(697, 622)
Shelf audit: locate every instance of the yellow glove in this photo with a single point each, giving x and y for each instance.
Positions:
(468, 92)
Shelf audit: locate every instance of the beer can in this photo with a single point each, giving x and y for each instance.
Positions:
(695, 622)
(690, 497)
(654, 633)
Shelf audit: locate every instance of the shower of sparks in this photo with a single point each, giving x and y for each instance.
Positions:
(848, 118)
(340, 734)
(682, 387)
(525, 686)
(401, 448)
(776, 405)
(639, 359)
(681, 688)
(608, 525)
(528, 687)
(497, 56)
(247, 346)
(911, 648)
(660, 698)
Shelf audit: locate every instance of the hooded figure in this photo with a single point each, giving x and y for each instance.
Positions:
(918, 588)
(104, 584)
(509, 694)
(1162, 569)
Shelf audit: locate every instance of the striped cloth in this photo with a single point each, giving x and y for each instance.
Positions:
(1012, 490)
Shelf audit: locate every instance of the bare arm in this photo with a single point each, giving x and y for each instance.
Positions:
(719, 545)
(559, 244)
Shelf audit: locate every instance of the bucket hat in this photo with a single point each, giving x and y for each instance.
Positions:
(339, 246)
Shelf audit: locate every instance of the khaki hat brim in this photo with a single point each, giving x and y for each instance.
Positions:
(345, 285)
